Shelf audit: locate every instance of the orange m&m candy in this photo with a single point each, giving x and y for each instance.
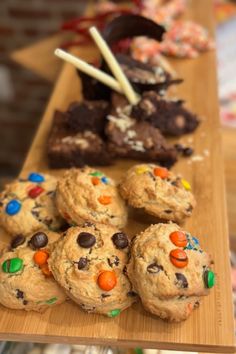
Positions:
(104, 199)
(178, 258)
(95, 181)
(107, 280)
(178, 238)
(41, 257)
(45, 269)
(161, 172)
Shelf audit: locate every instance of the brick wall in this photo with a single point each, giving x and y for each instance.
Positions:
(23, 95)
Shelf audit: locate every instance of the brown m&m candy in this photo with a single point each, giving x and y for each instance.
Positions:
(120, 240)
(17, 241)
(178, 238)
(179, 258)
(86, 240)
(38, 240)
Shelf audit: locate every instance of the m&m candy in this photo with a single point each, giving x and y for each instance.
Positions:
(161, 172)
(107, 280)
(186, 184)
(35, 192)
(178, 238)
(51, 301)
(12, 265)
(179, 258)
(104, 180)
(209, 279)
(141, 169)
(114, 313)
(41, 257)
(95, 181)
(36, 177)
(104, 199)
(96, 174)
(13, 207)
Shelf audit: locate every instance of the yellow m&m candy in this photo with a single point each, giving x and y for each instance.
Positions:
(141, 169)
(186, 185)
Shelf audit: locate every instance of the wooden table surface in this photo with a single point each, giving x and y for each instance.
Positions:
(210, 328)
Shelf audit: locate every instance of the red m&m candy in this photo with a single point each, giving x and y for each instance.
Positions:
(35, 192)
(178, 258)
(178, 238)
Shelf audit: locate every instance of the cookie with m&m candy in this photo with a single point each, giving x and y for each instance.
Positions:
(24, 282)
(170, 277)
(158, 192)
(87, 194)
(28, 204)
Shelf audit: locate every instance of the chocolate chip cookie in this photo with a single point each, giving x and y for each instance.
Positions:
(169, 271)
(28, 204)
(158, 191)
(90, 264)
(25, 279)
(88, 194)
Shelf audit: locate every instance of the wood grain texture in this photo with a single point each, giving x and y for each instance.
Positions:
(210, 328)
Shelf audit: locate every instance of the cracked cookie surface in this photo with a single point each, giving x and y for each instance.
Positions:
(169, 271)
(89, 262)
(158, 191)
(87, 194)
(25, 280)
(27, 205)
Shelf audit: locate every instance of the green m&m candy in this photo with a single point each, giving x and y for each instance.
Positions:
(114, 313)
(12, 265)
(51, 301)
(209, 279)
(96, 174)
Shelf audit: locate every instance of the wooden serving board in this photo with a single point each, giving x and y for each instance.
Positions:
(211, 327)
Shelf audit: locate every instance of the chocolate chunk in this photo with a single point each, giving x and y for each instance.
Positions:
(86, 240)
(181, 280)
(188, 151)
(25, 302)
(154, 268)
(39, 240)
(19, 294)
(17, 241)
(113, 261)
(131, 293)
(120, 240)
(82, 263)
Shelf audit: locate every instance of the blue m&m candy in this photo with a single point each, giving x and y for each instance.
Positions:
(36, 177)
(13, 207)
(104, 180)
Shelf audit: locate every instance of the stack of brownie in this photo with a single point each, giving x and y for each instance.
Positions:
(104, 126)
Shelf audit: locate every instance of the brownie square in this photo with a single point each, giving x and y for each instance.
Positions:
(67, 148)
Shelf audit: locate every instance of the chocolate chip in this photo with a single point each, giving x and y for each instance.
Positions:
(113, 261)
(154, 268)
(120, 240)
(125, 270)
(188, 151)
(17, 241)
(131, 293)
(168, 211)
(35, 213)
(82, 263)
(189, 209)
(179, 147)
(181, 280)
(197, 304)
(19, 294)
(86, 240)
(38, 240)
(25, 302)
(152, 176)
(105, 295)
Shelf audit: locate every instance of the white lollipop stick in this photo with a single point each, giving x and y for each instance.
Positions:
(114, 66)
(89, 70)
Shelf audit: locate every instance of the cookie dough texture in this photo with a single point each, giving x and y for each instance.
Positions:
(87, 194)
(165, 290)
(77, 269)
(35, 212)
(166, 198)
(28, 288)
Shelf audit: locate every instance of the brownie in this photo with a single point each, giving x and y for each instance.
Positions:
(74, 149)
(87, 115)
(92, 89)
(138, 140)
(169, 116)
